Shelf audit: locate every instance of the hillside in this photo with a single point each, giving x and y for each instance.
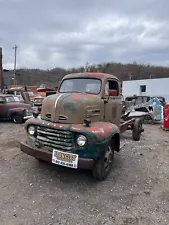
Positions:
(123, 71)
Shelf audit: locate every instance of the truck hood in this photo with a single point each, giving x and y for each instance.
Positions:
(72, 108)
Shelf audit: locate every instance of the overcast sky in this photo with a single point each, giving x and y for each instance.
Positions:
(67, 33)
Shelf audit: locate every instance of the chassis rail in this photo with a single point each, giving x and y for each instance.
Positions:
(126, 125)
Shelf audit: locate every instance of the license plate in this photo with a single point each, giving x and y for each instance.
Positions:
(65, 159)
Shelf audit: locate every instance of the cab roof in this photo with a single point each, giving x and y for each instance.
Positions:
(91, 75)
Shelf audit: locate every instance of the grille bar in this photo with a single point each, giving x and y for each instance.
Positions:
(52, 134)
(59, 147)
(47, 139)
(54, 130)
(55, 138)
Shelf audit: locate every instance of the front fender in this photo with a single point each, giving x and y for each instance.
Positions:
(98, 132)
(99, 135)
(16, 110)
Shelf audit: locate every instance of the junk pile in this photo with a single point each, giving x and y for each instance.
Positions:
(151, 110)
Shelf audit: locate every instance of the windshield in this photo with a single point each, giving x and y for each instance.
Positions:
(82, 85)
(12, 99)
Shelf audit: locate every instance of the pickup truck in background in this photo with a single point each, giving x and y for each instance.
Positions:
(12, 109)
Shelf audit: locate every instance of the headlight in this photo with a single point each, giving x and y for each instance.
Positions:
(31, 130)
(29, 112)
(81, 140)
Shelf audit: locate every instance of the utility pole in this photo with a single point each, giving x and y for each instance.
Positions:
(130, 76)
(1, 72)
(86, 66)
(15, 49)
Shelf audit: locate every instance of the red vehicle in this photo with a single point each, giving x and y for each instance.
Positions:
(42, 91)
(11, 108)
(166, 117)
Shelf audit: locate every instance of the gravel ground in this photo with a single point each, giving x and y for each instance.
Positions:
(136, 192)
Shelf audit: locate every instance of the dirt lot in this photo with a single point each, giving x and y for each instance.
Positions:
(136, 192)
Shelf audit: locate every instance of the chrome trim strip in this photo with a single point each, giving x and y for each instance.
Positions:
(58, 100)
(27, 117)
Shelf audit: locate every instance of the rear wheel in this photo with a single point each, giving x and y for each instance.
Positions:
(137, 129)
(103, 166)
(17, 118)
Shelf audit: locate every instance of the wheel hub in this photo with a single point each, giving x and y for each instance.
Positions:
(108, 156)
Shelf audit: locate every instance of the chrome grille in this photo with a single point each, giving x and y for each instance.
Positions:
(59, 139)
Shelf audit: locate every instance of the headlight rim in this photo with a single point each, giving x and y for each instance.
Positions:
(35, 130)
(78, 136)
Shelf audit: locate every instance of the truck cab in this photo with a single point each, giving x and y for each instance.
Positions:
(85, 96)
(79, 125)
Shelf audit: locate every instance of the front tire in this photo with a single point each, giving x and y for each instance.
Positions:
(137, 129)
(103, 166)
(17, 118)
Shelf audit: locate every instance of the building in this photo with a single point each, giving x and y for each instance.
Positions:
(7, 78)
(151, 87)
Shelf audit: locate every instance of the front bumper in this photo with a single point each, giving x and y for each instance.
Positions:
(27, 117)
(83, 163)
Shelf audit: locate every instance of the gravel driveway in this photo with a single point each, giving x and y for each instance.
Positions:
(136, 192)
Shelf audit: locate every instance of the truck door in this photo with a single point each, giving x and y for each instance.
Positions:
(2, 107)
(113, 102)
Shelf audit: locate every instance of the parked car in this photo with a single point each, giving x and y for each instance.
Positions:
(11, 108)
(25, 95)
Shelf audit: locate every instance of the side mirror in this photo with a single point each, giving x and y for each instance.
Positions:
(113, 92)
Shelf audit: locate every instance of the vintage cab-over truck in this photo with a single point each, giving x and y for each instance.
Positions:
(80, 125)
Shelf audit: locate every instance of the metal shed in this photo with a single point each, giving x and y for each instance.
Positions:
(151, 87)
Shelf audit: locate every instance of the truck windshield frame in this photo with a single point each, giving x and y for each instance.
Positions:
(81, 85)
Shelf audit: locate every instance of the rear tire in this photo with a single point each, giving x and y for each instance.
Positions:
(103, 166)
(137, 129)
(17, 118)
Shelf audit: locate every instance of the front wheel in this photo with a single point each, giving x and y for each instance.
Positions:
(137, 129)
(17, 118)
(103, 166)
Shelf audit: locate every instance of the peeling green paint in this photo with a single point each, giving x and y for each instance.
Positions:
(98, 136)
